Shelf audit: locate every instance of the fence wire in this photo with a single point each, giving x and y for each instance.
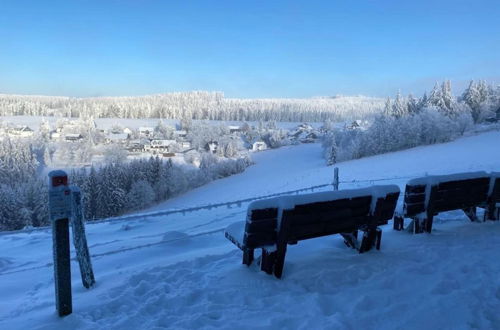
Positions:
(229, 204)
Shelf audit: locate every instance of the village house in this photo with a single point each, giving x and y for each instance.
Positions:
(20, 131)
(234, 129)
(310, 138)
(259, 146)
(135, 146)
(146, 132)
(212, 146)
(73, 137)
(185, 145)
(159, 146)
(117, 138)
(54, 135)
(180, 134)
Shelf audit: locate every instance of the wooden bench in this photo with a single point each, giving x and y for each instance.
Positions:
(428, 196)
(274, 223)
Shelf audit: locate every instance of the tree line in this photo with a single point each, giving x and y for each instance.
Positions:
(410, 122)
(193, 105)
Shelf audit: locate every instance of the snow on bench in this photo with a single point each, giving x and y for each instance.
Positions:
(273, 223)
(428, 196)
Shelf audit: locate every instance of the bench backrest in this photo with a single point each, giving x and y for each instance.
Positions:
(327, 218)
(260, 227)
(316, 215)
(445, 193)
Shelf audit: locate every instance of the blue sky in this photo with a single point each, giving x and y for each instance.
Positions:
(246, 48)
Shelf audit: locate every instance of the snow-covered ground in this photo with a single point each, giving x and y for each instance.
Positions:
(179, 271)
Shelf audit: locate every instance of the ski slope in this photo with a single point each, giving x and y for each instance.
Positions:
(178, 271)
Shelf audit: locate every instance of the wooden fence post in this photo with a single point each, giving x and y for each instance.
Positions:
(336, 178)
(79, 239)
(60, 212)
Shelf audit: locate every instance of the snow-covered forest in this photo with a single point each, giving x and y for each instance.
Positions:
(109, 190)
(194, 105)
(408, 122)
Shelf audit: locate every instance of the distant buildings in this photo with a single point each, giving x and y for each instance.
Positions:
(160, 146)
(146, 132)
(20, 131)
(259, 146)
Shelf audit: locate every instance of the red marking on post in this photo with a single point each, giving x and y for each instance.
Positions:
(59, 181)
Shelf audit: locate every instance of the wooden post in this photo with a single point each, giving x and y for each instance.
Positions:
(60, 212)
(281, 244)
(248, 256)
(79, 239)
(336, 178)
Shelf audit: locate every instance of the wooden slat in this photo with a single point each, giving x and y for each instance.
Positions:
(264, 214)
(418, 189)
(463, 183)
(297, 232)
(415, 198)
(258, 240)
(334, 215)
(333, 205)
(267, 225)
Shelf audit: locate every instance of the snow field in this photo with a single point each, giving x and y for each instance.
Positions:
(180, 272)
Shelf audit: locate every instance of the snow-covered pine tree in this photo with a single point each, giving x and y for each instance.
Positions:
(448, 101)
(140, 196)
(387, 107)
(472, 97)
(399, 108)
(412, 105)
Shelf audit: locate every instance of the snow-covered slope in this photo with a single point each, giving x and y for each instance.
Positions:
(179, 271)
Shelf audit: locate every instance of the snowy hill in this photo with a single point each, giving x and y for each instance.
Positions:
(179, 271)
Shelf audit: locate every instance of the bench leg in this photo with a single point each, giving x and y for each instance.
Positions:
(422, 225)
(416, 226)
(378, 239)
(471, 213)
(267, 261)
(428, 223)
(248, 256)
(492, 212)
(369, 239)
(351, 239)
(280, 260)
(399, 223)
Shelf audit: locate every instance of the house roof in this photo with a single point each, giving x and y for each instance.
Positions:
(165, 143)
(22, 129)
(117, 136)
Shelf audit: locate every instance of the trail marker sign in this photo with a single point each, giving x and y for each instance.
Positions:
(60, 212)
(65, 204)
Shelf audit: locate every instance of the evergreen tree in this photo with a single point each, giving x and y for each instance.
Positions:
(140, 196)
(399, 107)
(90, 190)
(388, 107)
(412, 105)
(472, 97)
